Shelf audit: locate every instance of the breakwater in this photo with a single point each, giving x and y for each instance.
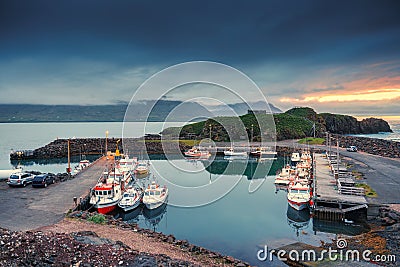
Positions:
(137, 146)
(97, 146)
(380, 147)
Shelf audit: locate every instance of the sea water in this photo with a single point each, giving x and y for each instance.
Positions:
(239, 224)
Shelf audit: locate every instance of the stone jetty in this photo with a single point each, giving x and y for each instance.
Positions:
(374, 146)
(96, 146)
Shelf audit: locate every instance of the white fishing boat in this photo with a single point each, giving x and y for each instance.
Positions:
(109, 190)
(131, 198)
(285, 176)
(155, 196)
(295, 158)
(263, 152)
(299, 195)
(127, 163)
(232, 153)
(194, 152)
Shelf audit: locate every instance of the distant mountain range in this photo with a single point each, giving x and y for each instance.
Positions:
(242, 108)
(150, 110)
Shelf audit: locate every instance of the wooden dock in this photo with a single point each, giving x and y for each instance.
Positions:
(335, 193)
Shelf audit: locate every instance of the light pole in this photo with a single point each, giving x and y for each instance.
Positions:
(106, 145)
(252, 129)
(210, 132)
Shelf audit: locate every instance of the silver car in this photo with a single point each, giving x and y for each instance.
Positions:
(20, 179)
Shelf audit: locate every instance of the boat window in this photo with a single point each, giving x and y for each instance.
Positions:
(157, 193)
(147, 193)
(303, 191)
(109, 192)
(126, 195)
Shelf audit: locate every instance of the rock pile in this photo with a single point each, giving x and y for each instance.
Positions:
(373, 146)
(184, 245)
(96, 146)
(76, 249)
(389, 219)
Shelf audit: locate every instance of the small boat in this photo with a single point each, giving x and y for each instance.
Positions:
(231, 153)
(197, 153)
(286, 175)
(155, 196)
(142, 168)
(263, 152)
(306, 156)
(82, 165)
(127, 163)
(108, 191)
(131, 199)
(295, 158)
(299, 195)
(7, 173)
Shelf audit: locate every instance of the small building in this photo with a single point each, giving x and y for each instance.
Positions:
(257, 111)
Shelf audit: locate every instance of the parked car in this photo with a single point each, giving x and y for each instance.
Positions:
(352, 149)
(43, 180)
(20, 179)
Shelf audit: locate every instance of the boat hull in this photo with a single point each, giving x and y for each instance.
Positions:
(153, 205)
(235, 154)
(106, 209)
(298, 205)
(129, 207)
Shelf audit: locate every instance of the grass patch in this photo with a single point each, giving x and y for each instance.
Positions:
(312, 141)
(357, 175)
(369, 192)
(97, 218)
(190, 142)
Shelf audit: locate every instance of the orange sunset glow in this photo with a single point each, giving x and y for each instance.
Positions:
(368, 95)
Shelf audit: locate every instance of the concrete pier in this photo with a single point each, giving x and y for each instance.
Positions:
(28, 208)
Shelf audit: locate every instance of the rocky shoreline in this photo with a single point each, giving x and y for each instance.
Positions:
(77, 242)
(374, 146)
(153, 146)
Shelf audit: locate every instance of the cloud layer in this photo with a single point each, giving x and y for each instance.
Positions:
(314, 53)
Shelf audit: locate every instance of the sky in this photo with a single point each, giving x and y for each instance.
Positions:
(334, 56)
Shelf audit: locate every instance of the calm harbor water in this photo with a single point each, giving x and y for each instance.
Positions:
(238, 224)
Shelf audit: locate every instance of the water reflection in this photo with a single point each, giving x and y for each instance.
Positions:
(298, 219)
(155, 216)
(344, 227)
(132, 216)
(150, 218)
(252, 168)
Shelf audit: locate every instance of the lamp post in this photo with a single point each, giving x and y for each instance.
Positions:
(252, 131)
(106, 145)
(210, 131)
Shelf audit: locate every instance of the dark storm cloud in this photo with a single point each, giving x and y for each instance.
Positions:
(225, 30)
(103, 50)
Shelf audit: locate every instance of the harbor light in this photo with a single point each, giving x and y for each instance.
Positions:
(106, 145)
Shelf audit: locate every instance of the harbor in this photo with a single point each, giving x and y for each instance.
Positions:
(288, 224)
